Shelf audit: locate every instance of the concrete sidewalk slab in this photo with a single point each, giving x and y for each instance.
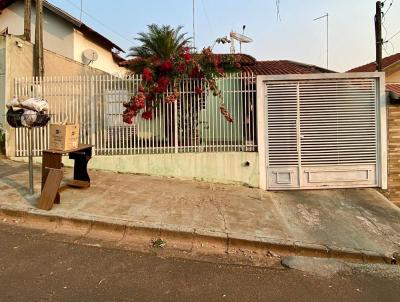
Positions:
(332, 222)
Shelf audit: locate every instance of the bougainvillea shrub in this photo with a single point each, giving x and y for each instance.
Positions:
(161, 79)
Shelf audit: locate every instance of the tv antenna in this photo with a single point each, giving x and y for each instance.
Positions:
(241, 38)
(327, 36)
(80, 16)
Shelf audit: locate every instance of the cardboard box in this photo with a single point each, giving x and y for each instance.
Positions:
(64, 137)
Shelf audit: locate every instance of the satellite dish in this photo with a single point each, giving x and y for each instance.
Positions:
(240, 38)
(89, 56)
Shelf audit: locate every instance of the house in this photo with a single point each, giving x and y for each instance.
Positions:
(295, 126)
(391, 67)
(63, 34)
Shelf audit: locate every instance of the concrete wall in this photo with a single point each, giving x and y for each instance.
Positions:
(224, 167)
(394, 151)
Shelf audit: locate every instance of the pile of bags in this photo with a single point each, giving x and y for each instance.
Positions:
(27, 112)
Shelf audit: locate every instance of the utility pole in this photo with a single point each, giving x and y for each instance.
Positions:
(378, 35)
(27, 20)
(38, 52)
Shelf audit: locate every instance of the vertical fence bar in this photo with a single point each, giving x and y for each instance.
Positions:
(92, 114)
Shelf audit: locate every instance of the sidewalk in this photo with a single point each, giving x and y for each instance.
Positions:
(355, 222)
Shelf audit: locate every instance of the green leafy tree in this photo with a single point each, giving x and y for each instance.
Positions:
(163, 42)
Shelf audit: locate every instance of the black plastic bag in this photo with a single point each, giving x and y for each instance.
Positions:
(14, 117)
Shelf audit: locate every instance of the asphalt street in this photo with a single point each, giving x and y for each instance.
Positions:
(38, 267)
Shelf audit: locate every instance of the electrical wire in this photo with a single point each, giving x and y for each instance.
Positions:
(207, 17)
(99, 22)
(385, 40)
(278, 12)
(393, 36)
(390, 6)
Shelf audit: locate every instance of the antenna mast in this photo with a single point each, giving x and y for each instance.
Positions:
(80, 18)
(327, 37)
(194, 28)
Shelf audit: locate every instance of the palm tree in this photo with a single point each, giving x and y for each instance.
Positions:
(162, 42)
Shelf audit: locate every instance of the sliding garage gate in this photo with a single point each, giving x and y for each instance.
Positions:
(322, 133)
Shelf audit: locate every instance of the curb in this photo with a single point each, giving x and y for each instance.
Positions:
(199, 242)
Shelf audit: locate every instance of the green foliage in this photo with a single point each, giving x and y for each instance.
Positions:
(163, 42)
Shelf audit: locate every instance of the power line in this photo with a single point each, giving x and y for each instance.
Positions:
(390, 6)
(98, 21)
(393, 36)
(278, 11)
(208, 19)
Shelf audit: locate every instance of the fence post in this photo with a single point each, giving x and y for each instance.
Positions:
(176, 126)
(92, 114)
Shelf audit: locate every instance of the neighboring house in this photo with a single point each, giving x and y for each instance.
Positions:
(391, 67)
(63, 34)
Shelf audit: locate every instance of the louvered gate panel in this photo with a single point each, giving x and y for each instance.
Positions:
(322, 133)
(338, 122)
(282, 111)
(282, 116)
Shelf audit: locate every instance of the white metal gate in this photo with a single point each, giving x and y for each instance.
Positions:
(322, 133)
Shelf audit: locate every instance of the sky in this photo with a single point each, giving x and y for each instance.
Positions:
(291, 36)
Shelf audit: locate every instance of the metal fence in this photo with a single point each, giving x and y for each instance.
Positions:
(192, 124)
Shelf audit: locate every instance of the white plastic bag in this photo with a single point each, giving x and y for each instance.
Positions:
(35, 104)
(13, 103)
(28, 118)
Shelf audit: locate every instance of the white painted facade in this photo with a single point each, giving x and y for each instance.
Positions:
(59, 36)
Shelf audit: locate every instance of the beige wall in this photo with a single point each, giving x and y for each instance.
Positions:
(393, 76)
(105, 60)
(393, 73)
(57, 33)
(59, 36)
(20, 61)
(17, 56)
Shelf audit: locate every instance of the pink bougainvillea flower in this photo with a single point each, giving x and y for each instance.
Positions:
(162, 84)
(187, 56)
(181, 68)
(128, 116)
(166, 66)
(227, 115)
(147, 74)
(148, 114)
(199, 90)
(171, 98)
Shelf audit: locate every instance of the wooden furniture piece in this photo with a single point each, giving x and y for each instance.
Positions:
(51, 176)
(50, 189)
